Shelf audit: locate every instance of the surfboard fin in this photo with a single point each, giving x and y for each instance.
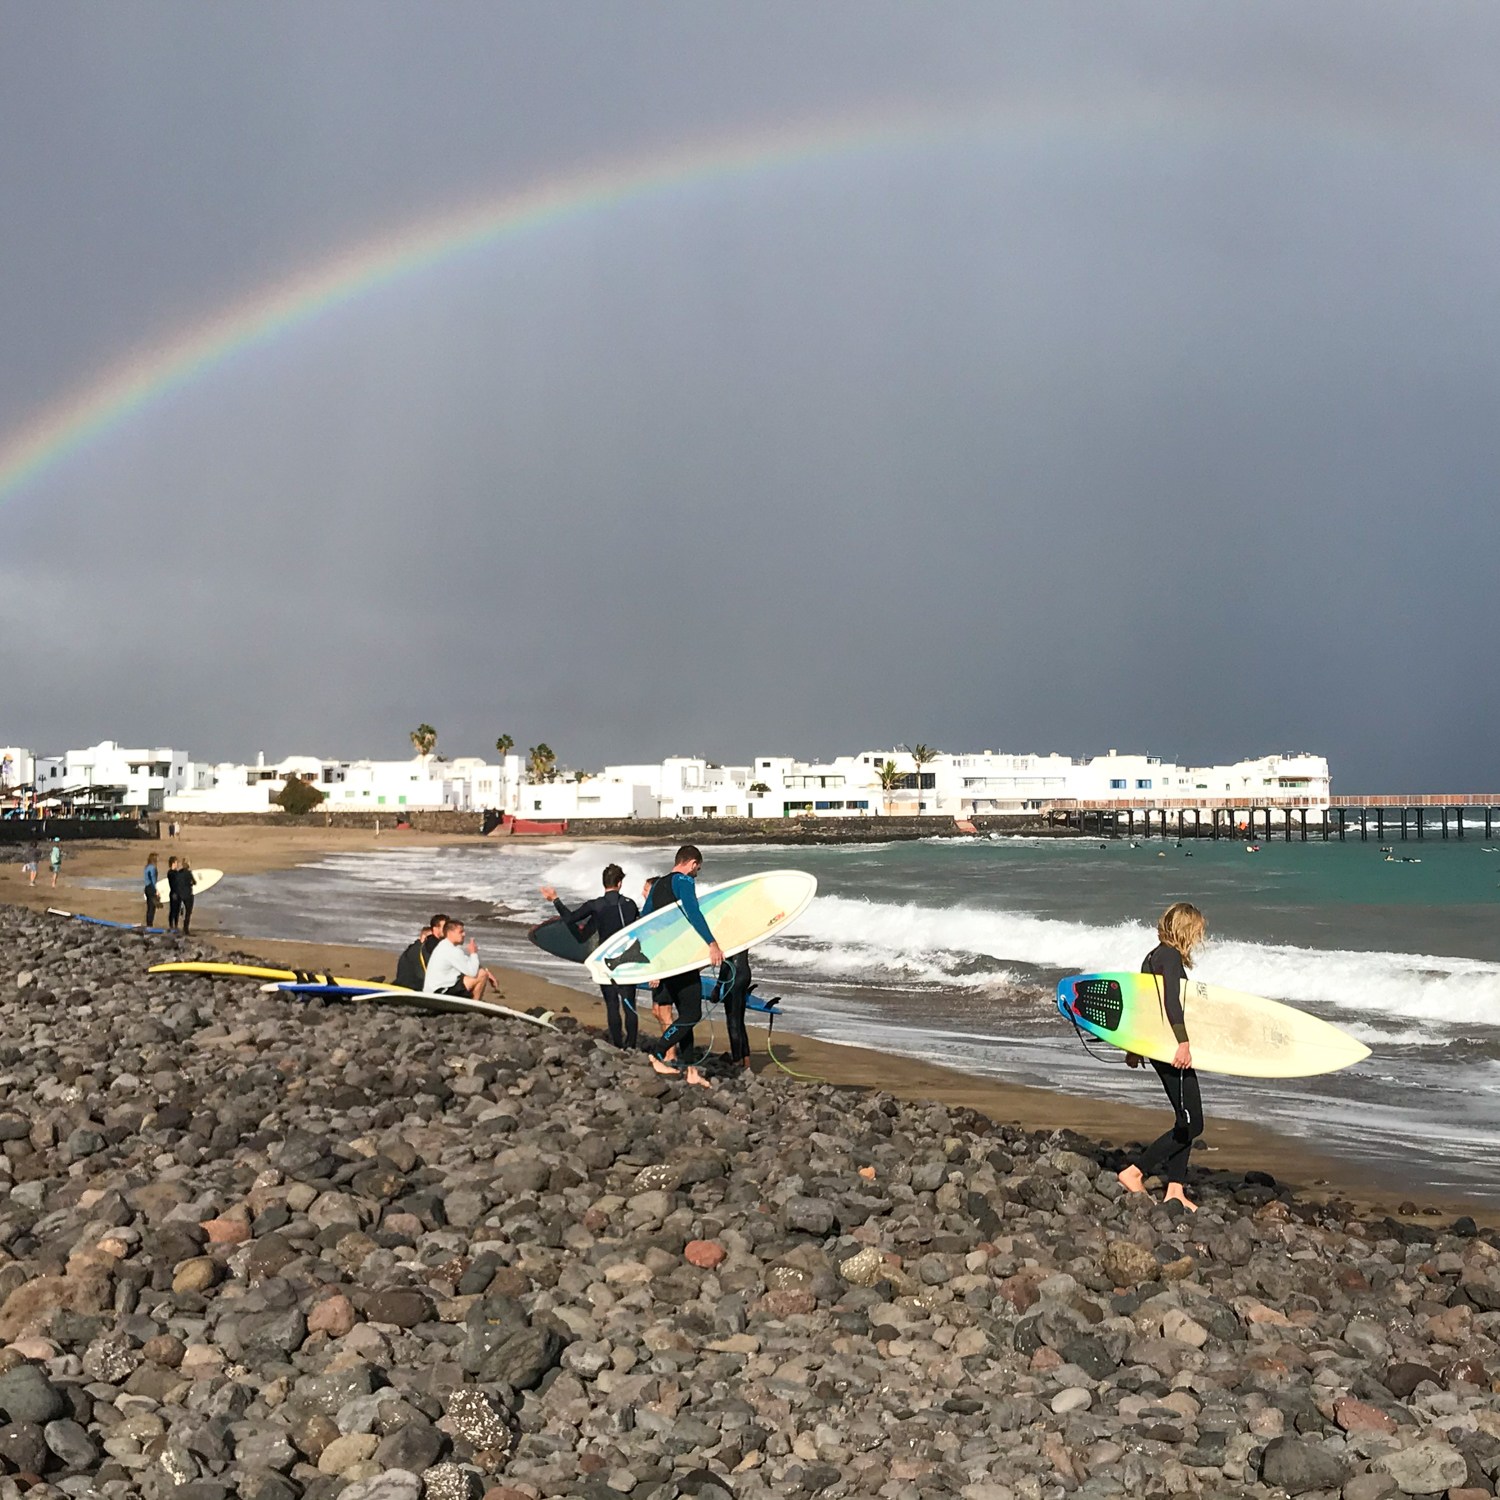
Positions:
(634, 954)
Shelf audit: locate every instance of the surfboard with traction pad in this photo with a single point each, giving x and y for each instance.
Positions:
(739, 913)
(1229, 1031)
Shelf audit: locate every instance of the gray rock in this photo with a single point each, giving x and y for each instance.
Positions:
(808, 1216)
(394, 1484)
(1298, 1465)
(26, 1395)
(480, 1420)
(1426, 1468)
(74, 1448)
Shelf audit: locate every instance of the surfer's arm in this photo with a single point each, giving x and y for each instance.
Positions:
(686, 893)
(1173, 974)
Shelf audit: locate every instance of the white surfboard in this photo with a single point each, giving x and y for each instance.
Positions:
(739, 913)
(202, 880)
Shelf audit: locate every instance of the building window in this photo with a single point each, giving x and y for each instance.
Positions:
(1117, 786)
(1143, 786)
(380, 801)
(536, 807)
(687, 812)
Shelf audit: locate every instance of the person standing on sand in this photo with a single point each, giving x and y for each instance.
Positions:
(684, 992)
(734, 991)
(30, 861)
(54, 859)
(1180, 931)
(148, 875)
(606, 915)
(174, 893)
(454, 968)
(185, 884)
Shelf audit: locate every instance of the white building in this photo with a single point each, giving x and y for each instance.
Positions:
(137, 779)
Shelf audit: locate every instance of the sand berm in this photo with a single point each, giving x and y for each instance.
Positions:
(251, 1247)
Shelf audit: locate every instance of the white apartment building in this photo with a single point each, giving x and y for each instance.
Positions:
(136, 779)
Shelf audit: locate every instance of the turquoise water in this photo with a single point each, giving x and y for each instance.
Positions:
(950, 950)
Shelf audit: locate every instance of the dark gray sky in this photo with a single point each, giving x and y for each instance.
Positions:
(1156, 409)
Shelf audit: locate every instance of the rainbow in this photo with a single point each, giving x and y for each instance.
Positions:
(150, 374)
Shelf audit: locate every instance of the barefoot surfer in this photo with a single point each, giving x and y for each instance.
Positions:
(1180, 929)
(678, 887)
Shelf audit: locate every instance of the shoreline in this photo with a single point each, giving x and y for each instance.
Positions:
(1231, 1146)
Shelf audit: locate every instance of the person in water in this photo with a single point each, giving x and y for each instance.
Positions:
(1180, 930)
(684, 992)
(606, 915)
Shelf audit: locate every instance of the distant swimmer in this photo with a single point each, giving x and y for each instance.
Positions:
(1386, 849)
(1252, 848)
(1161, 853)
(1180, 931)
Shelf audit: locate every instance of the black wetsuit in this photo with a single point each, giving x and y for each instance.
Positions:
(734, 990)
(607, 915)
(411, 967)
(185, 886)
(174, 898)
(682, 991)
(1167, 1156)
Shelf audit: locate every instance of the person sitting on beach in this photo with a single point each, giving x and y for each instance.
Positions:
(683, 992)
(606, 915)
(1180, 931)
(411, 967)
(435, 929)
(454, 968)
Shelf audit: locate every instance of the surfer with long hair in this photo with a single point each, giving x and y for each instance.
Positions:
(1180, 931)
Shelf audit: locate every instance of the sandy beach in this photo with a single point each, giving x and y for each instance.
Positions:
(1228, 1146)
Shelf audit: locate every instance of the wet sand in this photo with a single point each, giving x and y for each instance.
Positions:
(1231, 1145)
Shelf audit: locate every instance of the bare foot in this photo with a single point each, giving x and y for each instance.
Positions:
(694, 1076)
(662, 1067)
(1175, 1194)
(1131, 1180)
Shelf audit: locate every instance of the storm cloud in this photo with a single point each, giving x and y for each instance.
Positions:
(1139, 393)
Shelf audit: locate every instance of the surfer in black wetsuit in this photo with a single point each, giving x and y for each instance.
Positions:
(411, 966)
(684, 992)
(1180, 929)
(606, 915)
(734, 991)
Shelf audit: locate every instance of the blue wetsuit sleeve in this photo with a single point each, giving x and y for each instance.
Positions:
(686, 891)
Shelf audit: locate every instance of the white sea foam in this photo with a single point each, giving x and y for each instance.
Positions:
(870, 940)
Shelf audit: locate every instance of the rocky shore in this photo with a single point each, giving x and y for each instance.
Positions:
(255, 1248)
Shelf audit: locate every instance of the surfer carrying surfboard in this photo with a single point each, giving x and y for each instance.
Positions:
(684, 992)
(1180, 931)
(606, 915)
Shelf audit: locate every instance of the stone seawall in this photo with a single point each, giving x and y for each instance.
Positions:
(423, 821)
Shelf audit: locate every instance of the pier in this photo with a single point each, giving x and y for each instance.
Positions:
(1436, 815)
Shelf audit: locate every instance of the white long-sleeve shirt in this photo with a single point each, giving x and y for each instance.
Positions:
(447, 963)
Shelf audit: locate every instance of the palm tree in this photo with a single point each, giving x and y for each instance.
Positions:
(890, 779)
(504, 745)
(541, 762)
(922, 754)
(424, 739)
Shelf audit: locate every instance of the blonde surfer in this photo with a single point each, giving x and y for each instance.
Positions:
(1180, 931)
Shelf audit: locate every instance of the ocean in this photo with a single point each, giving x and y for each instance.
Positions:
(950, 949)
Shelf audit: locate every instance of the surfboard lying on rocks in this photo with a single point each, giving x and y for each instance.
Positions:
(1229, 1031)
(349, 987)
(78, 916)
